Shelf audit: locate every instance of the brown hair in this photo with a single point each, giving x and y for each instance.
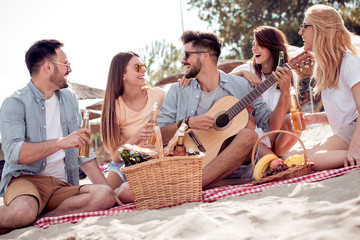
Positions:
(39, 52)
(114, 88)
(204, 40)
(272, 39)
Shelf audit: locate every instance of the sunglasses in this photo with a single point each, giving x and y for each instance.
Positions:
(186, 54)
(304, 26)
(67, 64)
(139, 66)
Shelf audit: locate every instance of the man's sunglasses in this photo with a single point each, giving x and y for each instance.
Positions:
(186, 54)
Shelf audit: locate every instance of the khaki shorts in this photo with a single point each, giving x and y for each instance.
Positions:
(347, 132)
(49, 191)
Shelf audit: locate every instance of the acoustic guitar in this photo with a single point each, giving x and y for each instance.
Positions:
(231, 116)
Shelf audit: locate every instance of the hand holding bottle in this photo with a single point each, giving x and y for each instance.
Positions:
(76, 139)
(144, 134)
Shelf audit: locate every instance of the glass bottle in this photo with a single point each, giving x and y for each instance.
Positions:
(153, 119)
(191, 151)
(136, 156)
(280, 63)
(124, 157)
(297, 117)
(180, 149)
(85, 150)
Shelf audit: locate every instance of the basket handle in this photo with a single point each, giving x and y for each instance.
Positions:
(272, 132)
(159, 142)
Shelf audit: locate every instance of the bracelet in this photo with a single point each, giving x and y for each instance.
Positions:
(187, 122)
(179, 123)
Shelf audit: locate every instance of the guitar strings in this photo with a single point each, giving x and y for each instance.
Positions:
(223, 119)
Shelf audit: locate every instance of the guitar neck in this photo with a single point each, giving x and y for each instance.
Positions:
(250, 97)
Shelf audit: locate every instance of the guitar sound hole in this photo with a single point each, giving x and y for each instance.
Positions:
(222, 120)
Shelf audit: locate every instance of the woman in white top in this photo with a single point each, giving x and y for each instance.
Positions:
(268, 42)
(337, 75)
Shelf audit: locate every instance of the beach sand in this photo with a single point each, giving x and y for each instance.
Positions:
(328, 209)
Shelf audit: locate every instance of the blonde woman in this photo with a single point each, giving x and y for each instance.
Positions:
(126, 112)
(337, 74)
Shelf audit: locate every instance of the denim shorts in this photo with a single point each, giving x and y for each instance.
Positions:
(116, 167)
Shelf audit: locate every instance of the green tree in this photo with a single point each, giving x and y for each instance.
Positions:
(234, 20)
(162, 59)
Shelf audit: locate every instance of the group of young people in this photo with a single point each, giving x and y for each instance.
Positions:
(41, 123)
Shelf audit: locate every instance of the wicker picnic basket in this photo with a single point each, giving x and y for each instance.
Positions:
(165, 181)
(292, 172)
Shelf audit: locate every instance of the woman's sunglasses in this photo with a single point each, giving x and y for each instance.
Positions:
(139, 66)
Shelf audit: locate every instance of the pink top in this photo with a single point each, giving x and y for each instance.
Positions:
(131, 121)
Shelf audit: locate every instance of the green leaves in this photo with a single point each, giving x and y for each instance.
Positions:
(162, 60)
(235, 20)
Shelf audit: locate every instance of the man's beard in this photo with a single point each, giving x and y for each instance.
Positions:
(194, 71)
(58, 79)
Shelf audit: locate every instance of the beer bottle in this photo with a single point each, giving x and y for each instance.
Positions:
(297, 118)
(281, 62)
(124, 157)
(180, 149)
(85, 150)
(136, 156)
(153, 118)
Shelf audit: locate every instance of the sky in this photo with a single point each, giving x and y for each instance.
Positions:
(93, 31)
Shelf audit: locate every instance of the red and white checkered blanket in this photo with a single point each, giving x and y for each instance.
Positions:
(208, 196)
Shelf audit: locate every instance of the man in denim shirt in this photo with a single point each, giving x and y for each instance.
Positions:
(41, 133)
(192, 103)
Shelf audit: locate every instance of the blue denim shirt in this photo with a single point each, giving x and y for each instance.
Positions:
(22, 119)
(181, 102)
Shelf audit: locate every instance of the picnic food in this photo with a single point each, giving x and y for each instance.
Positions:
(294, 159)
(270, 164)
(262, 165)
(275, 162)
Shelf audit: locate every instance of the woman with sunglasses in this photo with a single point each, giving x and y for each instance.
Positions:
(125, 116)
(337, 75)
(268, 42)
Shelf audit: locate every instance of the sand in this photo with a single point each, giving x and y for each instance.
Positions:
(329, 209)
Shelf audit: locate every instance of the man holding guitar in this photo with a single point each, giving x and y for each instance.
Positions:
(210, 106)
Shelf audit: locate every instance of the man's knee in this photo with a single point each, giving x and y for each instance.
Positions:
(102, 196)
(248, 135)
(22, 211)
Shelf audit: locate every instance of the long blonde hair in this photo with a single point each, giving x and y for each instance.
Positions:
(110, 132)
(331, 41)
